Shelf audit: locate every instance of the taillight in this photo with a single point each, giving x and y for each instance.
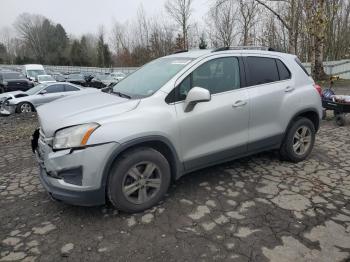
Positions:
(318, 88)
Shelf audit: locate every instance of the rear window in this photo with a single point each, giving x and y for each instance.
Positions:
(283, 70)
(262, 70)
(12, 76)
(301, 65)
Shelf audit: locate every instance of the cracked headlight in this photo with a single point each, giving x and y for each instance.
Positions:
(73, 137)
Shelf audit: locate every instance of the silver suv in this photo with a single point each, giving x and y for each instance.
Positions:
(176, 114)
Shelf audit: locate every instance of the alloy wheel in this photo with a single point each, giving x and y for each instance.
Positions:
(26, 108)
(302, 140)
(142, 182)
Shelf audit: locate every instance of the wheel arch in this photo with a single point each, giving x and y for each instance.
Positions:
(22, 102)
(159, 143)
(309, 113)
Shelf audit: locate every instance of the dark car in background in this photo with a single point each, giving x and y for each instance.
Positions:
(58, 77)
(102, 80)
(14, 81)
(77, 79)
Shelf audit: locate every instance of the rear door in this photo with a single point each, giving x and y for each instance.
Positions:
(70, 89)
(269, 82)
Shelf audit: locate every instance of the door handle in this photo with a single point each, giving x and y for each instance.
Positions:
(289, 89)
(239, 103)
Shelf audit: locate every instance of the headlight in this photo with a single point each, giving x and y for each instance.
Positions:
(73, 137)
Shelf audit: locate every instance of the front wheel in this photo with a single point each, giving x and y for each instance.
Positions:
(24, 107)
(138, 180)
(299, 140)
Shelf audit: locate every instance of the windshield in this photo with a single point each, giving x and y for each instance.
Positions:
(34, 73)
(13, 76)
(35, 89)
(45, 78)
(151, 77)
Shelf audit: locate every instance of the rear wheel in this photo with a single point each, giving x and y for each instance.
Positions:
(299, 141)
(25, 107)
(138, 180)
(340, 120)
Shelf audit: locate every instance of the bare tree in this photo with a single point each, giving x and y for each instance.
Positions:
(180, 11)
(222, 21)
(248, 10)
(29, 29)
(317, 28)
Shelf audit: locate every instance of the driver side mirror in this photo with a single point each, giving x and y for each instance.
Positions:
(194, 96)
(42, 92)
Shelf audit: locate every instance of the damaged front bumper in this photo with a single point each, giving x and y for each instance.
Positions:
(73, 176)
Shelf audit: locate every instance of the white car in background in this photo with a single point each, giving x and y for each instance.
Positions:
(25, 102)
(44, 79)
(31, 71)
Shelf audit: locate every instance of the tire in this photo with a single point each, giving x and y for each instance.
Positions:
(324, 114)
(340, 120)
(128, 187)
(24, 107)
(292, 143)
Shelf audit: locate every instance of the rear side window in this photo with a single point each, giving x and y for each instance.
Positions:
(283, 70)
(301, 65)
(70, 88)
(55, 89)
(262, 70)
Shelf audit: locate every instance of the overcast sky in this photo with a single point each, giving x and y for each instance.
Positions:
(83, 16)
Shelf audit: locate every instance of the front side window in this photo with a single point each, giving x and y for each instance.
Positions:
(262, 70)
(55, 89)
(218, 75)
(35, 89)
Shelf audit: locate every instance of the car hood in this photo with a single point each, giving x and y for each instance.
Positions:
(83, 108)
(10, 94)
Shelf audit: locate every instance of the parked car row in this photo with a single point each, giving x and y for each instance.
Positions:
(25, 102)
(25, 88)
(24, 77)
(99, 80)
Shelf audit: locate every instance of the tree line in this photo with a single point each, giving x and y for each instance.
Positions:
(315, 30)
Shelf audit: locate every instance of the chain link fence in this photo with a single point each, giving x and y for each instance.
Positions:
(77, 69)
(340, 68)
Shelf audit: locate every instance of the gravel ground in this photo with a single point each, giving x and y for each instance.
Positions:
(254, 209)
(17, 127)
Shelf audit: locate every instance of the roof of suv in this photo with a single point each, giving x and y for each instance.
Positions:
(199, 53)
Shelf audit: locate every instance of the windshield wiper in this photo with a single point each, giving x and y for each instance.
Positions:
(121, 94)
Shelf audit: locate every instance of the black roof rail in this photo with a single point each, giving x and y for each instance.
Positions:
(181, 51)
(264, 48)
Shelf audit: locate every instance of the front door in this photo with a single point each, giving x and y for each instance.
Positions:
(213, 131)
